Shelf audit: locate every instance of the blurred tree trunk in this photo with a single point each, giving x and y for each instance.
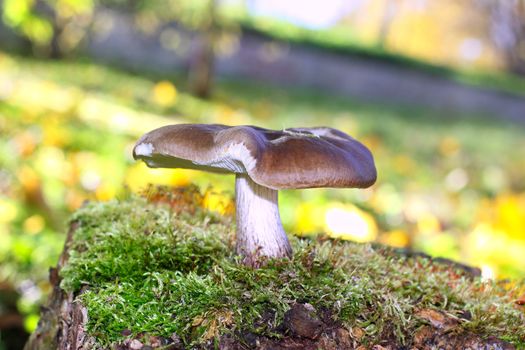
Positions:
(13, 334)
(507, 30)
(391, 7)
(55, 51)
(203, 57)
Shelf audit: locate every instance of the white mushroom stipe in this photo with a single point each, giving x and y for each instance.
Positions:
(144, 149)
(259, 229)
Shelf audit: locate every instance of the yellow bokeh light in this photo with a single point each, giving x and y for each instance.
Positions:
(428, 223)
(105, 192)
(164, 93)
(8, 211)
(504, 215)
(140, 176)
(40, 95)
(34, 224)
(29, 179)
(308, 218)
(118, 117)
(55, 135)
(396, 238)
(350, 222)
(50, 161)
(510, 215)
(219, 202)
(489, 246)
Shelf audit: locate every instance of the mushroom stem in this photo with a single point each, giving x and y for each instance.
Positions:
(260, 233)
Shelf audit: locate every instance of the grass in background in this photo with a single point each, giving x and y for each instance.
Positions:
(341, 40)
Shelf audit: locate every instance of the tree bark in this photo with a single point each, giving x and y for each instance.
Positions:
(62, 322)
(203, 57)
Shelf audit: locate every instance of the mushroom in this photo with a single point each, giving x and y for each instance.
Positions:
(263, 161)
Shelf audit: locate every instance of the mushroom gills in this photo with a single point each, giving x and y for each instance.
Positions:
(236, 158)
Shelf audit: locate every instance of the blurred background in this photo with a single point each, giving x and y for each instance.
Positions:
(435, 88)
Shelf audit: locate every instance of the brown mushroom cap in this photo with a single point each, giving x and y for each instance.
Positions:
(291, 158)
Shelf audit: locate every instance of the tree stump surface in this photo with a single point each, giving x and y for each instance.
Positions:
(63, 326)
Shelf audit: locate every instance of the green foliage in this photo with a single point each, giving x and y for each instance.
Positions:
(68, 21)
(19, 15)
(148, 269)
(37, 20)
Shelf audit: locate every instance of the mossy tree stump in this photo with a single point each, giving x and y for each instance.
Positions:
(137, 275)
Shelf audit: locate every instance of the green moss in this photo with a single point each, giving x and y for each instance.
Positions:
(149, 269)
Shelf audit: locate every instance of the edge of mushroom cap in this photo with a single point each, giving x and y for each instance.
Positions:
(335, 159)
(338, 161)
